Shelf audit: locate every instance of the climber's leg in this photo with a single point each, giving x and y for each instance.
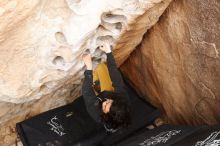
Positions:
(101, 73)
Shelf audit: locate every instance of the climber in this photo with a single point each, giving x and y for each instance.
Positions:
(111, 106)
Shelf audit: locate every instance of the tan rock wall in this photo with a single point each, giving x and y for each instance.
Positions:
(177, 64)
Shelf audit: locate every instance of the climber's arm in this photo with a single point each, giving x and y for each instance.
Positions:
(88, 93)
(115, 75)
(89, 96)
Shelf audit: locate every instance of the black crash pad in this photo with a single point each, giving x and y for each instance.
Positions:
(71, 125)
(205, 136)
(62, 126)
(170, 135)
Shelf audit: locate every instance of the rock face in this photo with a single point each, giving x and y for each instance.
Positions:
(177, 65)
(41, 42)
(41, 47)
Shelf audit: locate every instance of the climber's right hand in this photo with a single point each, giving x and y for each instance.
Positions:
(106, 47)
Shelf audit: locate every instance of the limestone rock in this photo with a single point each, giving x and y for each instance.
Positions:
(177, 64)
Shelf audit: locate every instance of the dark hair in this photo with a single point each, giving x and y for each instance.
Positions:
(119, 114)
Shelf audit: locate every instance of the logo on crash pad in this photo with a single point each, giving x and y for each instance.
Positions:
(55, 126)
(212, 140)
(163, 137)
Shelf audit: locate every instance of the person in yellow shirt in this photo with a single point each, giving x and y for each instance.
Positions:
(111, 104)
